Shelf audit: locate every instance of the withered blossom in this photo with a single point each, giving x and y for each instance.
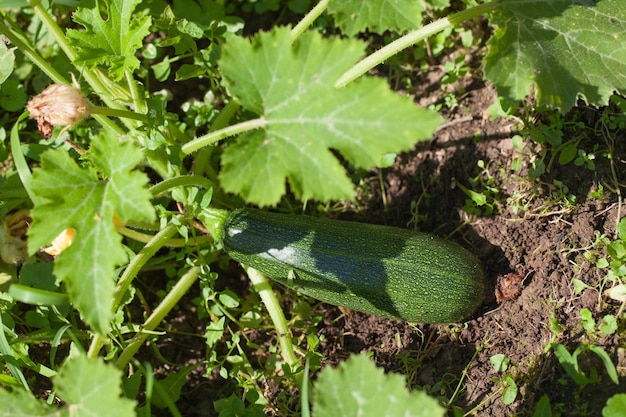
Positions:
(58, 105)
(13, 246)
(63, 241)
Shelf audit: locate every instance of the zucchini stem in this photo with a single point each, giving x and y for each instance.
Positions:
(269, 299)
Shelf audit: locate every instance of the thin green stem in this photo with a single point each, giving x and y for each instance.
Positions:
(171, 243)
(144, 255)
(157, 316)
(308, 20)
(121, 113)
(53, 28)
(269, 299)
(411, 38)
(131, 271)
(139, 103)
(202, 158)
(213, 137)
(181, 181)
(10, 360)
(18, 40)
(23, 170)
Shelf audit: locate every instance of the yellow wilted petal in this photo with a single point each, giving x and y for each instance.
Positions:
(63, 241)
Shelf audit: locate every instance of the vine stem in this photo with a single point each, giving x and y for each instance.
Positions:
(308, 20)
(167, 304)
(411, 38)
(213, 137)
(269, 299)
(120, 113)
(139, 260)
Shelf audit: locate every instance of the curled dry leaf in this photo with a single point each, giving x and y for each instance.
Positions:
(58, 105)
(509, 286)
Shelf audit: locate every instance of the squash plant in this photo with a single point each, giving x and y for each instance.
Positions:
(293, 100)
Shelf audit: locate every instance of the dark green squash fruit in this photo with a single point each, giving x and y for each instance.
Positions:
(380, 270)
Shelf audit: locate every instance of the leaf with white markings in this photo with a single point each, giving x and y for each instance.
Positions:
(88, 201)
(113, 40)
(564, 48)
(358, 388)
(308, 120)
(88, 387)
(354, 16)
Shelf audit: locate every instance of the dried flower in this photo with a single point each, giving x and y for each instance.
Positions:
(58, 105)
(13, 246)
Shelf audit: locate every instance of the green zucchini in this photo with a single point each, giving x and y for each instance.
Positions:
(384, 271)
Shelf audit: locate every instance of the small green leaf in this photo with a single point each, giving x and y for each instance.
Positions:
(602, 263)
(579, 286)
(569, 363)
(615, 406)
(543, 408)
(112, 41)
(170, 387)
(518, 142)
(233, 406)
(617, 249)
(621, 229)
(89, 387)
(354, 16)
(568, 153)
(229, 299)
(214, 332)
(358, 388)
(609, 325)
(589, 324)
(510, 390)
(12, 95)
(606, 360)
(500, 362)
(7, 62)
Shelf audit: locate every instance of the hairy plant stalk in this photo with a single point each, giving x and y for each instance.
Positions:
(411, 38)
(269, 299)
(214, 137)
(308, 20)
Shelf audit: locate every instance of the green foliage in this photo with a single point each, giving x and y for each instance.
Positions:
(615, 406)
(482, 194)
(111, 41)
(89, 200)
(292, 87)
(562, 47)
(299, 137)
(354, 16)
(358, 388)
(7, 62)
(570, 363)
(500, 363)
(87, 387)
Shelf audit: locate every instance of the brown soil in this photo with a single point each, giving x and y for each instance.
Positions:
(531, 256)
